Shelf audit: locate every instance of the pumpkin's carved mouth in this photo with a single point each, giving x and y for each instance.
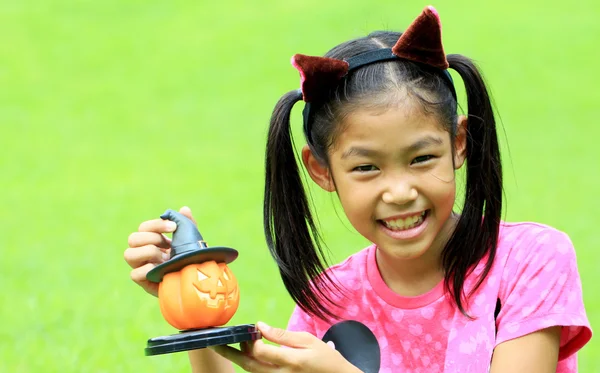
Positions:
(232, 297)
(212, 302)
(215, 298)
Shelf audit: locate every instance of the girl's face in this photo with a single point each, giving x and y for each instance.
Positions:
(394, 173)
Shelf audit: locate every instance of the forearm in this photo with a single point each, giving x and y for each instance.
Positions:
(206, 360)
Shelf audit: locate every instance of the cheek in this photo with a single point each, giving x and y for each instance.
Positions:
(450, 194)
(443, 173)
(442, 193)
(357, 205)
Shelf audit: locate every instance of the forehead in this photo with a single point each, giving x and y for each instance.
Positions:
(396, 126)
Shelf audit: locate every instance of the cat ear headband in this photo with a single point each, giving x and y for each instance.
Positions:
(421, 43)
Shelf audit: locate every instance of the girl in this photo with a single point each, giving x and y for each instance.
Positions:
(441, 291)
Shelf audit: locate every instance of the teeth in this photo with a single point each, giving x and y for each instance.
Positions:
(401, 224)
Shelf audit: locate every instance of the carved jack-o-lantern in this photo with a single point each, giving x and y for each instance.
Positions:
(199, 296)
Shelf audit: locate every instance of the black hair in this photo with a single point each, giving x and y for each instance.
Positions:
(291, 233)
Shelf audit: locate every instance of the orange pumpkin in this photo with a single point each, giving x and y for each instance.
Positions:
(199, 296)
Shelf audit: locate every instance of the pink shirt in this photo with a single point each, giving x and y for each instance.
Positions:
(534, 276)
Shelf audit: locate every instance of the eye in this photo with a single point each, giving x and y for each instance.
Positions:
(201, 276)
(422, 158)
(365, 168)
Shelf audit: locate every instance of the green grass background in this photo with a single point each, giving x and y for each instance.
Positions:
(112, 111)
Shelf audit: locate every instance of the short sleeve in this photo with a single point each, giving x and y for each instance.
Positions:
(541, 288)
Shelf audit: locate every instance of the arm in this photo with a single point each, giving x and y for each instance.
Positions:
(206, 360)
(531, 353)
(542, 319)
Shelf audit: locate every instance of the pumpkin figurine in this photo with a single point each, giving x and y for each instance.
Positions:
(197, 293)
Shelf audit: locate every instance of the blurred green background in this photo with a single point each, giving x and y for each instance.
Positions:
(113, 111)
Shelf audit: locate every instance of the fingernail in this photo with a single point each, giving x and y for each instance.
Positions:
(166, 256)
(262, 326)
(171, 226)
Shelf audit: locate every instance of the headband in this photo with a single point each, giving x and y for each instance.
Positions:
(421, 43)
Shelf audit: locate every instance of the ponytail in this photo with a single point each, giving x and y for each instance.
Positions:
(475, 239)
(288, 222)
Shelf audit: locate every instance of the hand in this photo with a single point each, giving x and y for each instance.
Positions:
(148, 247)
(307, 354)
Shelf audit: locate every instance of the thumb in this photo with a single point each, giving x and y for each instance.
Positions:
(286, 337)
(187, 212)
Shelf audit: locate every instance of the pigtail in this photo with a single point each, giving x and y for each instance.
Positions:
(288, 222)
(483, 189)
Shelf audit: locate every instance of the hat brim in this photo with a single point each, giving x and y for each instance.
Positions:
(218, 254)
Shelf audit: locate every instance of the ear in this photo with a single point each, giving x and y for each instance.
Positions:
(318, 172)
(460, 142)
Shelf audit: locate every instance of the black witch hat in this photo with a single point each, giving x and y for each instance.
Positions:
(188, 247)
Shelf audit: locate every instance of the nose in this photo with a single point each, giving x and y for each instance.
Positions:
(399, 191)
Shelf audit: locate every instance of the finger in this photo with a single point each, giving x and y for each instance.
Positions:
(138, 256)
(247, 363)
(158, 226)
(279, 356)
(188, 213)
(286, 337)
(246, 347)
(150, 288)
(138, 275)
(139, 239)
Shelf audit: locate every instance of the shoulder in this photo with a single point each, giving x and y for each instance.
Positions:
(533, 254)
(518, 240)
(516, 231)
(536, 260)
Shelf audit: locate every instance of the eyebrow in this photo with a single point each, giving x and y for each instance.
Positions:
(359, 152)
(420, 144)
(425, 142)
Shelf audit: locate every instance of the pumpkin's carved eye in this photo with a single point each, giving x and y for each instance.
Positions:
(201, 276)
(225, 275)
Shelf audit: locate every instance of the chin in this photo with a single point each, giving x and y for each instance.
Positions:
(403, 253)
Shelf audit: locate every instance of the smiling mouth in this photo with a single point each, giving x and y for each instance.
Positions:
(406, 223)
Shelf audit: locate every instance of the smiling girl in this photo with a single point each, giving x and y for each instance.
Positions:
(442, 290)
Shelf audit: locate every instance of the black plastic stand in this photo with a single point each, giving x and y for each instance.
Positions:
(201, 338)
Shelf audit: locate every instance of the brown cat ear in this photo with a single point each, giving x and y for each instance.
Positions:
(422, 40)
(318, 75)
